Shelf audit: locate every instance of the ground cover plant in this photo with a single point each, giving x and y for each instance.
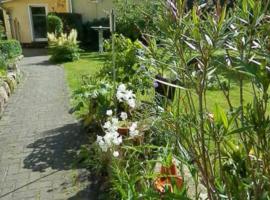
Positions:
(181, 143)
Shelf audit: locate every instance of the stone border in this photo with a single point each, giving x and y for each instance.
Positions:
(9, 83)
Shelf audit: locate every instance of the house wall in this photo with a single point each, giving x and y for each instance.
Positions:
(17, 16)
(90, 9)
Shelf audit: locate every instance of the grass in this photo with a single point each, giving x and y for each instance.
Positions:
(89, 64)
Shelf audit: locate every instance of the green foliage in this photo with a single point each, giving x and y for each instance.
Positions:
(11, 48)
(226, 150)
(71, 21)
(218, 83)
(127, 64)
(92, 100)
(54, 24)
(64, 48)
(133, 18)
(2, 64)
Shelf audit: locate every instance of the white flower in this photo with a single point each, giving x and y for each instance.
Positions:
(133, 126)
(117, 140)
(107, 125)
(123, 116)
(102, 144)
(121, 88)
(243, 40)
(115, 121)
(111, 137)
(132, 129)
(134, 133)
(120, 96)
(124, 95)
(131, 103)
(116, 154)
(109, 112)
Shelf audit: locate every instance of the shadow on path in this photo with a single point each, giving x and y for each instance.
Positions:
(57, 149)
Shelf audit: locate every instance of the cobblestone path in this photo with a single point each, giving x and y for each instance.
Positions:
(39, 138)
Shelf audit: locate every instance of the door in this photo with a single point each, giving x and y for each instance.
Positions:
(39, 24)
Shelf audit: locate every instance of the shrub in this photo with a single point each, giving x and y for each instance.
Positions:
(2, 63)
(90, 36)
(127, 64)
(11, 48)
(64, 48)
(92, 100)
(54, 24)
(71, 21)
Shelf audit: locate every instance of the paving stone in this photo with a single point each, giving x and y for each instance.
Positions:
(38, 137)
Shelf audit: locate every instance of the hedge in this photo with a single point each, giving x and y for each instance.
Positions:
(10, 48)
(71, 21)
(54, 24)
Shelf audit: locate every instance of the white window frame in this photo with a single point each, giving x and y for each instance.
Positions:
(31, 21)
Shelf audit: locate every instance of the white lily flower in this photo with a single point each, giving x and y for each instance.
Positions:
(132, 103)
(116, 154)
(123, 116)
(107, 125)
(109, 112)
(121, 88)
(133, 126)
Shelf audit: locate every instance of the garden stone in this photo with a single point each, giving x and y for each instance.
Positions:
(12, 75)
(3, 94)
(2, 103)
(6, 86)
(11, 82)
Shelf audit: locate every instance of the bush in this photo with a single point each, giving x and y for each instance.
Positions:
(64, 48)
(2, 64)
(127, 63)
(54, 24)
(90, 36)
(11, 48)
(71, 21)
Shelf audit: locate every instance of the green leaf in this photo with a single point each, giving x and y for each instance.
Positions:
(251, 3)
(222, 17)
(245, 6)
(221, 116)
(240, 130)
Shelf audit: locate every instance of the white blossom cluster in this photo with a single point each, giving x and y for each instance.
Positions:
(125, 95)
(111, 137)
(133, 132)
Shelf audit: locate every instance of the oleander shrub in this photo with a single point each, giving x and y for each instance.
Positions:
(64, 48)
(54, 24)
(11, 48)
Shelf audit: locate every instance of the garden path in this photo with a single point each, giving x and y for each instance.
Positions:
(39, 138)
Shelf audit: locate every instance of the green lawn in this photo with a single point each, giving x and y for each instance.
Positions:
(91, 62)
(88, 64)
